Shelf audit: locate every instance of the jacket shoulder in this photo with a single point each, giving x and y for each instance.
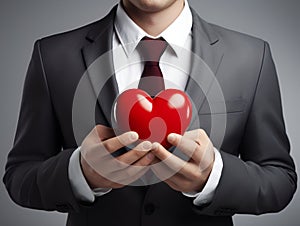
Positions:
(70, 35)
(76, 37)
(237, 41)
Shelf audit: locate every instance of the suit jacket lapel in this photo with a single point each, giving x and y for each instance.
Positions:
(206, 45)
(99, 63)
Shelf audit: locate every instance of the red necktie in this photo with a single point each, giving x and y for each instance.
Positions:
(152, 78)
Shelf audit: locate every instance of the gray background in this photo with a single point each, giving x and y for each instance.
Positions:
(22, 22)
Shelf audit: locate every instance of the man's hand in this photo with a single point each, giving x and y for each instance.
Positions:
(102, 170)
(180, 175)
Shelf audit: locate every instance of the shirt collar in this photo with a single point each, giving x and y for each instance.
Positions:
(130, 34)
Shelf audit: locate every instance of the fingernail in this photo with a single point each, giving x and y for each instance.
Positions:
(147, 145)
(171, 137)
(155, 146)
(133, 136)
(150, 156)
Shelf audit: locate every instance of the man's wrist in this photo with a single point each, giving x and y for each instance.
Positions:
(80, 187)
(208, 191)
(79, 184)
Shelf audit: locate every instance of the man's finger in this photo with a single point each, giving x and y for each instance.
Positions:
(129, 174)
(187, 146)
(147, 160)
(104, 132)
(135, 154)
(175, 164)
(113, 144)
(172, 161)
(198, 135)
(133, 172)
(162, 171)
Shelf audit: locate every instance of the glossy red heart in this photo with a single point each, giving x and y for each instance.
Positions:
(153, 118)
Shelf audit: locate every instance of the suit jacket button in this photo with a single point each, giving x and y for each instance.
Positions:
(149, 209)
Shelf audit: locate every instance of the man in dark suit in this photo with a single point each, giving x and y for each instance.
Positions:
(248, 170)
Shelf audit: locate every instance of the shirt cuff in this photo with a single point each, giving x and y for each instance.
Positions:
(207, 194)
(80, 187)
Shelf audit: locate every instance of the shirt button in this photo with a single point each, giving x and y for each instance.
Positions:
(149, 209)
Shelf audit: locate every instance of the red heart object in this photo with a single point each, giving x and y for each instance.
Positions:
(153, 118)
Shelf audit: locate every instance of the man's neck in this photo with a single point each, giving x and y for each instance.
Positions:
(154, 22)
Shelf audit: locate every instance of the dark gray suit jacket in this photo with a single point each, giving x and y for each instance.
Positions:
(258, 175)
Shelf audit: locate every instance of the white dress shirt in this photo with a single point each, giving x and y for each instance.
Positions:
(128, 69)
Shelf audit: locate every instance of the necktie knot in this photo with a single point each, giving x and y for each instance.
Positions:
(152, 49)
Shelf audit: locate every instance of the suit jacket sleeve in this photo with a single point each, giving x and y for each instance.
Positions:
(37, 169)
(263, 179)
